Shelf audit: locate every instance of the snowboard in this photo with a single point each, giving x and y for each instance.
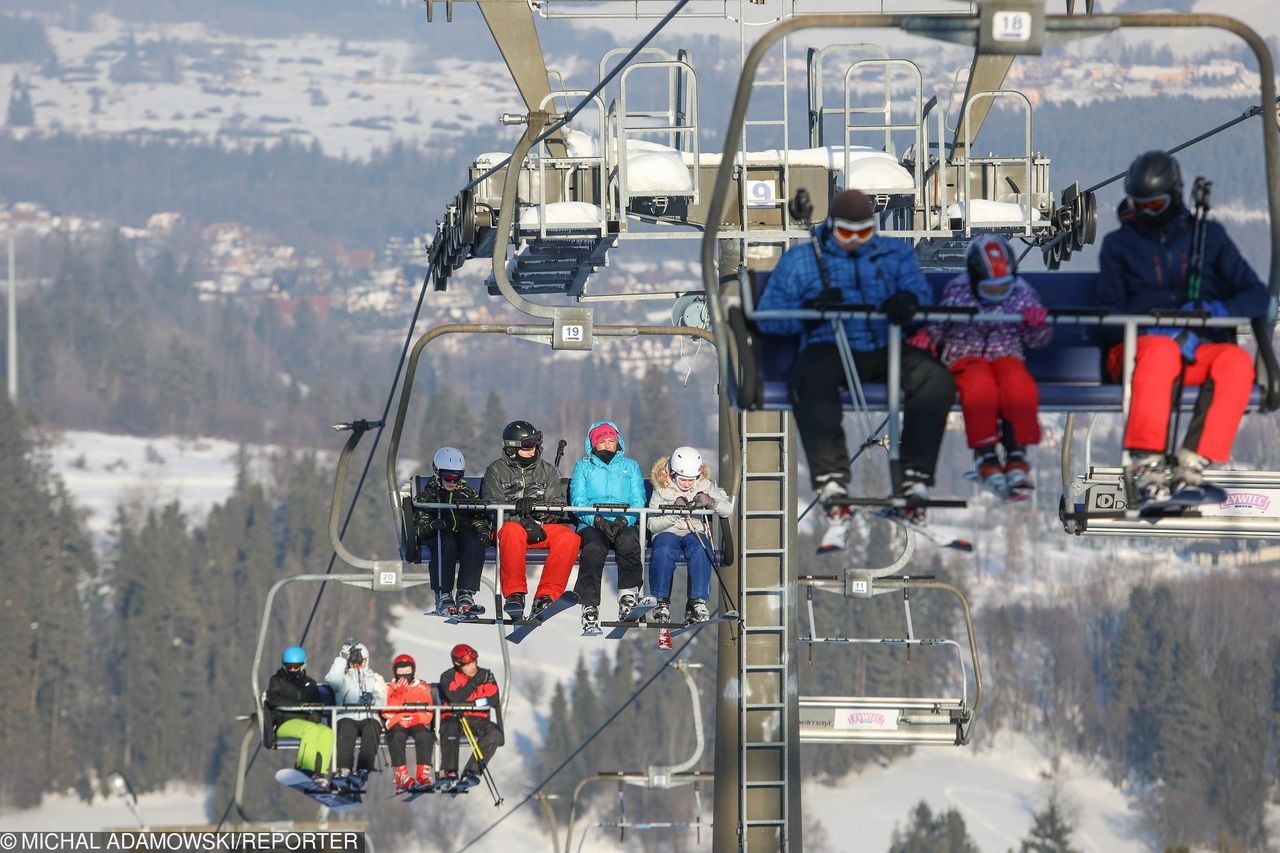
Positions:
(338, 801)
(524, 627)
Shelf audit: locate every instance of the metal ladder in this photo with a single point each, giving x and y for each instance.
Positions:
(766, 650)
(785, 10)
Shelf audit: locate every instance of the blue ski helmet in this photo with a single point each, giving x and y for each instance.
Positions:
(293, 656)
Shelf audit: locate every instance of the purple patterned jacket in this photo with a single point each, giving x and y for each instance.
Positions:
(986, 340)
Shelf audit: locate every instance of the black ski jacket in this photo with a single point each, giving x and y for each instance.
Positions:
(504, 482)
(291, 688)
(457, 689)
(455, 520)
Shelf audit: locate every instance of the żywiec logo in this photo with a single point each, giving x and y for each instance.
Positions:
(1246, 500)
(866, 718)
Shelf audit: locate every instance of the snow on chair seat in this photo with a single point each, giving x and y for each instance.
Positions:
(885, 721)
(870, 170)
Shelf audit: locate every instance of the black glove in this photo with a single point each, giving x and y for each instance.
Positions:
(900, 307)
(533, 531)
(828, 299)
(524, 506)
(601, 523)
(435, 524)
(366, 698)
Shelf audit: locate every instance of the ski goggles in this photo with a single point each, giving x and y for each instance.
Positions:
(451, 477)
(849, 232)
(527, 442)
(1153, 206)
(404, 673)
(295, 667)
(995, 289)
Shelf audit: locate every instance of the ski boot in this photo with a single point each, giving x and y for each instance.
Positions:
(540, 604)
(627, 599)
(836, 537)
(1152, 478)
(466, 601)
(990, 472)
(1017, 473)
(321, 782)
(1189, 486)
(402, 781)
(661, 611)
(446, 780)
(423, 777)
(514, 605)
(591, 621)
(696, 611)
(914, 489)
(445, 605)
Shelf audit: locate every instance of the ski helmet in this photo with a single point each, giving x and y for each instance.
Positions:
(852, 217)
(685, 462)
(294, 656)
(520, 434)
(449, 464)
(404, 660)
(463, 654)
(1154, 186)
(992, 267)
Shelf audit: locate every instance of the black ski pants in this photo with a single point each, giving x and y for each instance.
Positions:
(488, 737)
(368, 731)
(461, 552)
(424, 744)
(596, 543)
(814, 385)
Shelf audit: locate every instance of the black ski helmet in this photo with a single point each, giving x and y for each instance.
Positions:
(520, 434)
(1152, 175)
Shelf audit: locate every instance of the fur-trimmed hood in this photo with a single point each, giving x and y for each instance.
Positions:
(661, 477)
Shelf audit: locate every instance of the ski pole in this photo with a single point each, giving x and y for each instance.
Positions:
(480, 759)
(1195, 266)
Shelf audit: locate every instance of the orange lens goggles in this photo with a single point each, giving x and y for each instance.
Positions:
(847, 234)
(1153, 205)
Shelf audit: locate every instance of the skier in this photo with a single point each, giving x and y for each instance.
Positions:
(468, 683)
(998, 396)
(354, 683)
(607, 475)
(1144, 266)
(292, 686)
(848, 263)
(683, 479)
(406, 689)
(520, 476)
(457, 539)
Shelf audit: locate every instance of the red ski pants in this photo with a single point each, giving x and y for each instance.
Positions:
(1226, 372)
(562, 550)
(995, 390)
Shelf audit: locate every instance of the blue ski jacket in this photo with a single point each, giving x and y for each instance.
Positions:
(594, 481)
(1144, 267)
(869, 275)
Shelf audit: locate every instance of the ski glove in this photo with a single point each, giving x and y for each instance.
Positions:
(704, 500)
(828, 299)
(1188, 342)
(922, 340)
(1213, 307)
(900, 307)
(534, 533)
(1035, 316)
(436, 524)
(524, 506)
(366, 698)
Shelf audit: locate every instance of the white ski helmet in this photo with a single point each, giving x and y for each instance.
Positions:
(449, 459)
(685, 462)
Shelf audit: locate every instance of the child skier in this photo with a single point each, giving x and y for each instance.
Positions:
(683, 479)
(998, 396)
(456, 538)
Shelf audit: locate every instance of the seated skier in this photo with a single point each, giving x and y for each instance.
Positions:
(354, 683)
(406, 689)
(292, 686)
(468, 683)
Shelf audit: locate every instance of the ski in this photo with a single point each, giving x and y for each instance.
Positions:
(892, 516)
(731, 616)
(632, 617)
(664, 639)
(694, 626)
(524, 627)
(338, 801)
(1184, 501)
(1013, 496)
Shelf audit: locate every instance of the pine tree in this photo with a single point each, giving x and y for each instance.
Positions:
(927, 833)
(21, 112)
(1050, 833)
